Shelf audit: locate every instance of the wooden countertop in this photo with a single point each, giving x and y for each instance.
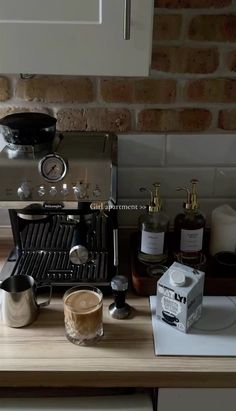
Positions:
(40, 356)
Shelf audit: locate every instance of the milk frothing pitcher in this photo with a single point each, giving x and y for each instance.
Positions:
(19, 306)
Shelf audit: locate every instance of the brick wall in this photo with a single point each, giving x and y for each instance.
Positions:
(192, 86)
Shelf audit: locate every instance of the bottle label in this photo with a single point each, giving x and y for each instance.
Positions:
(191, 240)
(152, 243)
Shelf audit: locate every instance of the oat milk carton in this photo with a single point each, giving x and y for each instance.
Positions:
(179, 296)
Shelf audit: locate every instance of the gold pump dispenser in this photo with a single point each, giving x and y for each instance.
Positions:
(189, 227)
(192, 199)
(153, 227)
(155, 204)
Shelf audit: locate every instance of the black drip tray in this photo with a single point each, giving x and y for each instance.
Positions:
(55, 267)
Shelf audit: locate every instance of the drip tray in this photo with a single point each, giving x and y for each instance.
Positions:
(55, 267)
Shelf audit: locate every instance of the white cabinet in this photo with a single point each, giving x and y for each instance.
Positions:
(196, 399)
(76, 37)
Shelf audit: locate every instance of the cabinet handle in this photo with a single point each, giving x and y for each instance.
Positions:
(127, 19)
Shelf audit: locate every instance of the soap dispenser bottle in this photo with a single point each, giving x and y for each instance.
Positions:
(153, 228)
(189, 228)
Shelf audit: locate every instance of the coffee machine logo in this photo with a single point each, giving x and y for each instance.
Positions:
(53, 206)
(168, 292)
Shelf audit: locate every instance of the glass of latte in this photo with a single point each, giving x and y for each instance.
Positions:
(83, 314)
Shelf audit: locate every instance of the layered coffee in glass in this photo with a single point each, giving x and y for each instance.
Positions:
(83, 311)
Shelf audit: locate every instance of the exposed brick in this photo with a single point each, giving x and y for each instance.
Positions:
(101, 119)
(4, 89)
(157, 120)
(138, 90)
(95, 119)
(167, 27)
(231, 60)
(188, 4)
(71, 120)
(185, 59)
(174, 120)
(155, 91)
(120, 90)
(195, 119)
(213, 28)
(211, 91)
(227, 119)
(55, 89)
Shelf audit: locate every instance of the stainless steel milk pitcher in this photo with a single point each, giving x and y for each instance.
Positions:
(18, 296)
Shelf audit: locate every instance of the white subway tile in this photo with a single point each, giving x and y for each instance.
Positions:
(141, 149)
(131, 179)
(129, 217)
(201, 149)
(225, 182)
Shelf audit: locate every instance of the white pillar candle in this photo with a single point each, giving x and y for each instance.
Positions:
(223, 229)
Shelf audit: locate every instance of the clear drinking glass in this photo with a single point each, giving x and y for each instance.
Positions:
(83, 309)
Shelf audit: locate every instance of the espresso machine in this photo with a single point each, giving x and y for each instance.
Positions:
(60, 190)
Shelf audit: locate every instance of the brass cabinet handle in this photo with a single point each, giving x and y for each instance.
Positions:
(127, 19)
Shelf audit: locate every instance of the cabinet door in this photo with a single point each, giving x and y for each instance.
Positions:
(75, 37)
(196, 399)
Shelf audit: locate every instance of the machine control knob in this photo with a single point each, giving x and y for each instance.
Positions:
(23, 191)
(53, 191)
(64, 190)
(80, 191)
(97, 192)
(41, 191)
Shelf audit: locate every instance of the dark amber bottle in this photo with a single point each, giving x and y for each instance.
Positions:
(189, 227)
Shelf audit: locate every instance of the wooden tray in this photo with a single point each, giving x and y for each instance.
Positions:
(145, 285)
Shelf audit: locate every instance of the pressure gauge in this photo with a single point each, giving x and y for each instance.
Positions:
(52, 167)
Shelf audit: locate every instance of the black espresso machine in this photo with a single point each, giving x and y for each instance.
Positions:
(60, 190)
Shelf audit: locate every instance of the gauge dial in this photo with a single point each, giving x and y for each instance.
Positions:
(52, 167)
